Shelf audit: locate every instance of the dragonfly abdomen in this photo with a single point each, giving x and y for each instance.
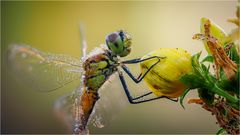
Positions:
(97, 69)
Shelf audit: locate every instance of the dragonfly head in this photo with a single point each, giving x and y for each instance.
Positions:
(119, 43)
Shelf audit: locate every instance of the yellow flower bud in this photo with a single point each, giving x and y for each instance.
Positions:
(163, 78)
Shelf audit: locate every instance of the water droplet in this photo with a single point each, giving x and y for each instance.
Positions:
(64, 101)
(30, 68)
(77, 131)
(97, 122)
(23, 55)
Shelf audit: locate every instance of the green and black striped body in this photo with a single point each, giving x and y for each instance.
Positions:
(98, 68)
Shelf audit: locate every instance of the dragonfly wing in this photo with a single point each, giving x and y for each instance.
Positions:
(43, 71)
(105, 110)
(112, 101)
(63, 109)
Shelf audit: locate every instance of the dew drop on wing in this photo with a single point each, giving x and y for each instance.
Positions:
(24, 55)
(30, 68)
(67, 109)
(39, 70)
(112, 101)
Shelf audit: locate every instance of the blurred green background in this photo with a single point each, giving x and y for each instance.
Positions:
(54, 27)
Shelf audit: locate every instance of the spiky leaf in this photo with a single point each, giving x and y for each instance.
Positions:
(208, 58)
(183, 96)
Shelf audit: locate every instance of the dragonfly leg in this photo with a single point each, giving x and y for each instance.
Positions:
(133, 100)
(141, 76)
(133, 61)
(149, 93)
(144, 95)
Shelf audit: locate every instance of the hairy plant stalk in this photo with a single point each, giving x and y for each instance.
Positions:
(219, 93)
(227, 117)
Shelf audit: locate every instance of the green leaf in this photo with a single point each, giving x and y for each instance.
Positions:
(183, 96)
(206, 74)
(233, 54)
(196, 64)
(229, 85)
(235, 106)
(220, 131)
(222, 74)
(191, 80)
(205, 69)
(195, 58)
(206, 95)
(208, 58)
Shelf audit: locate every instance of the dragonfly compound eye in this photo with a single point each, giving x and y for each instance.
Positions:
(119, 43)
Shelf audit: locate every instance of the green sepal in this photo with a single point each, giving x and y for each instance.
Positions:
(200, 77)
(220, 131)
(206, 95)
(235, 106)
(195, 59)
(233, 54)
(208, 58)
(205, 69)
(192, 80)
(183, 96)
(229, 85)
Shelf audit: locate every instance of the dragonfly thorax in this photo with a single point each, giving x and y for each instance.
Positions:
(98, 68)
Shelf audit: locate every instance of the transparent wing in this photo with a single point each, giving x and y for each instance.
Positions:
(112, 101)
(42, 71)
(63, 108)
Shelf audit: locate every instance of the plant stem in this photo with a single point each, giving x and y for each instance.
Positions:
(221, 92)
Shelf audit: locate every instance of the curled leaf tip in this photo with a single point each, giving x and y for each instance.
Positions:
(183, 96)
(220, 131)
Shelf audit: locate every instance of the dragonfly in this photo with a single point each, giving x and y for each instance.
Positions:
(49, 72)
